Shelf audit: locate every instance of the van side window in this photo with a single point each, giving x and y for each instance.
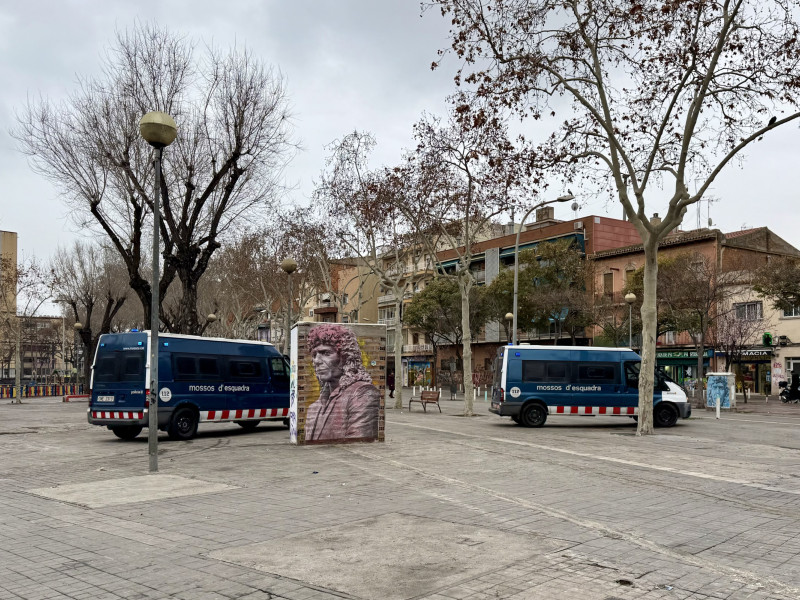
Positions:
(185, 367)
(533, 370)
(557, 371)
(208, 367)
(244, 369)
(278, 367)
(632, 373)
(544, 370)
(592, 372)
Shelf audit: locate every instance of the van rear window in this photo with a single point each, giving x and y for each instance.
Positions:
(119, 366)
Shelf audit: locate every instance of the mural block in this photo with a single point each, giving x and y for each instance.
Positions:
(722, 386)
(338, 383)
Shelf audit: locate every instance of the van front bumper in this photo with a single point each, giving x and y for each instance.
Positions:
(685, 409)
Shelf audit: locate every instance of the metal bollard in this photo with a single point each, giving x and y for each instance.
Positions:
(717, 403)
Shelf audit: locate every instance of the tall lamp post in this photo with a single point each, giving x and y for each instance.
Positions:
(78, 326)
(565, 198)
(159, 130)
(630, 298)
(289, 266)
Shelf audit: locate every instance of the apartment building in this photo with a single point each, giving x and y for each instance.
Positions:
(757, 365)
(592, 234)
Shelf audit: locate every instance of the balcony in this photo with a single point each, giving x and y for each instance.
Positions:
(418, 349)
(386, 299)
(387, 322)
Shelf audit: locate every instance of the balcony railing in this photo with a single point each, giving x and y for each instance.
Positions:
(417, 348)
(387, 322)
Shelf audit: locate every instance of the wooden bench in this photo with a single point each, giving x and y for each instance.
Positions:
(426, 398)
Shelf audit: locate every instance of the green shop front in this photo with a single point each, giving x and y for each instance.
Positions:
(681, 365)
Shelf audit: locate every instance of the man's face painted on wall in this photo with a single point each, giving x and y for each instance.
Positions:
(327, 363)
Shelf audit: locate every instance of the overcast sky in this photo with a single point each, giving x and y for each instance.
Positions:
(350, 64)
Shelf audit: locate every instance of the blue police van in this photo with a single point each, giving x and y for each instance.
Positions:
(201, 380)
(534, 382)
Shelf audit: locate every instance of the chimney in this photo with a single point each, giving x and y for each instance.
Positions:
(546, 213)
(656, 220)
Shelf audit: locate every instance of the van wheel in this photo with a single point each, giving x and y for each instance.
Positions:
(533, 415)
(286, 423)
(127, 432)
(515, 418)
(248, 425)
(664, 415)
(183, 425)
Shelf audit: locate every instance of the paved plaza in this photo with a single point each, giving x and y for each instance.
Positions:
(448, 508)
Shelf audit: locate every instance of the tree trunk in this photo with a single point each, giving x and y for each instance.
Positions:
(649, 335)
(465, 283)
(701, 342)
(398, 349)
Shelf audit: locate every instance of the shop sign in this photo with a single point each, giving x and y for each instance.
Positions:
(752, 355)
(681, 353)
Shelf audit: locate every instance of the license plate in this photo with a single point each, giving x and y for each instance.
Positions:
(105, 398)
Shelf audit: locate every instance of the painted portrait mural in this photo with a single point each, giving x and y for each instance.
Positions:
(338, 383)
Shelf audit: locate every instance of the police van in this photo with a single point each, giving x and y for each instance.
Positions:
(533, 382)
(200, 380)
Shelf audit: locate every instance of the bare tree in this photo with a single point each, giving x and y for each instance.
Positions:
(23, 291)
(363, 210)
(471, 174)
(222, 170)
(89, 282)
(662, 95)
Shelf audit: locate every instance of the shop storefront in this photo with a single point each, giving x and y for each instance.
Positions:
(681, 365)
(753, 369)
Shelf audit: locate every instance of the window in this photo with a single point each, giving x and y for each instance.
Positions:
(133, 368)
(792, 312)
(541, 370)
(632, 374)
(608, 284)
(597, 373)
(345, 319)
(280, 373)
(185, 366)
(105, 369)
(670, 337)
(748, 311)
(244, 369)
(629, 275)
(208, 367)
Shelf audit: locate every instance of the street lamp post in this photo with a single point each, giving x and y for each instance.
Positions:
(259, 310)
(78, 326)
(509, 324)
(630, 298)
(289, 266)
(565, 198)
(159, 130)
